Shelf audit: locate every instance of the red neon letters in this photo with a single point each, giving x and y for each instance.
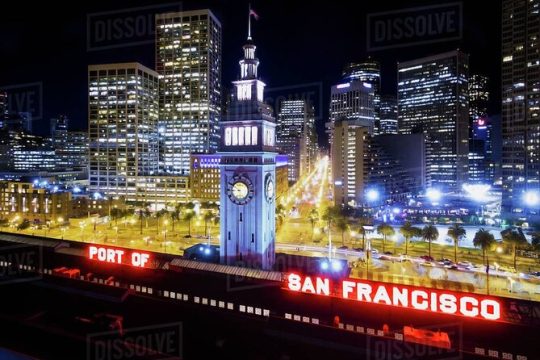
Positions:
(117, 256)
(401, 296)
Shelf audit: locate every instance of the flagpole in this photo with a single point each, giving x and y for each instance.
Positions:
(249, 22)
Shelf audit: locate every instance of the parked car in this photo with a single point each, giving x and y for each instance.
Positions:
(427, 258)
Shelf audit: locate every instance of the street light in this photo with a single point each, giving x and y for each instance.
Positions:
(531, 198)
(434, 195)
(372, 195)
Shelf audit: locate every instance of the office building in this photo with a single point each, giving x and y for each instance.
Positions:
(388, 123)
(351, 101)
(368, 71)
(70, 147)
(433, 99)
(481, 165)
(123, 114)
(3, 104)
(188, 61)
(296, 135)
(521, 106)
(20, 151)
(35, 202)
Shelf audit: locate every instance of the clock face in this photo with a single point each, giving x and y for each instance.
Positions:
(269, 188)
(240, 190)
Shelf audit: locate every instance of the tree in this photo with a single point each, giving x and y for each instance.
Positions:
(161, 213)
(342, 223)
(188, 216)
(362, 230)
(484, 240)
(429, 234)
(456, 232)
(208, 216)
(515, 240)
(116, 214)
(385, 230)
(408, 231)
(280, 211)
(175, 215)
(313, 218)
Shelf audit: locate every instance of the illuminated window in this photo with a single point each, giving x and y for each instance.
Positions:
(241, 135)
(234, 136)
(248, 135)
(228, 136)
(253, 135)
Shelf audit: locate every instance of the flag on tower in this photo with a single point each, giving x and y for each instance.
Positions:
(253, 13)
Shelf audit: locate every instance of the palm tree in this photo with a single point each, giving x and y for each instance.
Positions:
(208, 216)
(515, 240)
(313, 218)
(342, 223)
(429, 234)
(362, 230)
(484, 240)
(175, 216)
(385, 230)
(408, 231)
(188, 217)
(456, 232)
(161, 213)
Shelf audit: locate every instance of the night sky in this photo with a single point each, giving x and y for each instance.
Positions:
(299, 42)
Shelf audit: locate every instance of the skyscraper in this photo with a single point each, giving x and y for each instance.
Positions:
(433, 99)
(351, 101)
(349, 170)
(188, 60)
(368, 71)
(521, 106)
(481, 167)
(3, 104)
(122, 126)
(295, 134)
(388, 115)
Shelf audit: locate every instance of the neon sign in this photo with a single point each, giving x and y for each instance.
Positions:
(118, 256)
(409, 297)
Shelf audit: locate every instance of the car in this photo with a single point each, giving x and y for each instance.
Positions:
(187, 236)
(358, 249)
(388, 253)
(427, 258)
(465, 265)
(385, 257)
(343, 248)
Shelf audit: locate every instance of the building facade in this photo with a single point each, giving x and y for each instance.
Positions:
(433, 99)
(296, 135)
(122, 127)
(368, 71)
(353, 101)
(39, 204)
(521, 107)
(481, 165)
(248, 172)
(188, 60)
(388, 123)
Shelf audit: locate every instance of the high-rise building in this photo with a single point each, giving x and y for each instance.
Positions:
(348, 166)
(295, 134)
(188, 60)
(3, 104)
(351, 101)
(433, 99)
(481, 166)
(368, 71)
(388, 123)
(122, 127)
(70, 147)
(521, 106)
(248, 172)
(20, 151)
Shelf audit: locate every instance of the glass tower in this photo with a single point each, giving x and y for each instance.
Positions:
(521, 106)
(433, 99)
(188, 60)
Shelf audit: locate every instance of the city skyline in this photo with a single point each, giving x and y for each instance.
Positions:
(269, 38)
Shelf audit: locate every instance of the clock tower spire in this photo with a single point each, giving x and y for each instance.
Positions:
(248, 170)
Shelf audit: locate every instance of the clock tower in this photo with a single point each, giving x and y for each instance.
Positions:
(248, 172)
